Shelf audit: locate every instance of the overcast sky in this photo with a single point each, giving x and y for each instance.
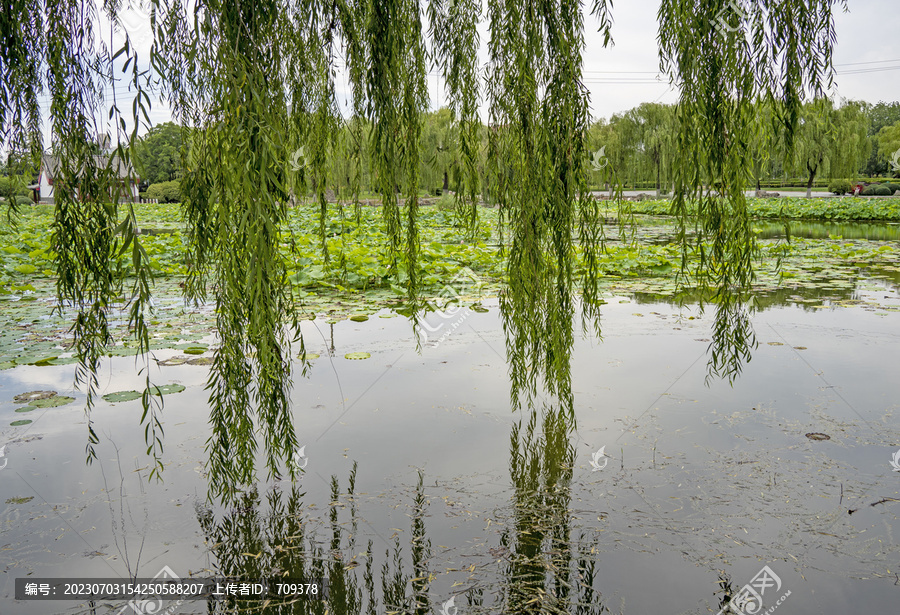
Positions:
(867, 34)
(867, 59)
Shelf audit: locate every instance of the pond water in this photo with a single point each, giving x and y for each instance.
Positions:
(420, 485)
(659, 230)
(878, 231)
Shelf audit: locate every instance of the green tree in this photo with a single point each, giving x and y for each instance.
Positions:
(652, 135)
(439, 150)
(880, 115)
(831, 141)
(888, 140)
(851, 144)
(608, 152)
(815, 141)
(764, 140)
(158, 153)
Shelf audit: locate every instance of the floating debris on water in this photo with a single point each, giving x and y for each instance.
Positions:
(30, 396)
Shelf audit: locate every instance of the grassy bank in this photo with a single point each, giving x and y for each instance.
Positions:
(829, 208)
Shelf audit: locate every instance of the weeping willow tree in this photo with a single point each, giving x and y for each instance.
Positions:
(724, 57)
(256, 83)
(540, 118)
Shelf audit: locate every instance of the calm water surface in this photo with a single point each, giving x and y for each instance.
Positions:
(701, 485)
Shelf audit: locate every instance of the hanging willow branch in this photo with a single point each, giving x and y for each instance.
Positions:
(454, 33)
(539, 116)
(235, 204)
(397, 97)
(54, 47)
(725, 56)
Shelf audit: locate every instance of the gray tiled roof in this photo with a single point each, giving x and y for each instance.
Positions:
(50, 164)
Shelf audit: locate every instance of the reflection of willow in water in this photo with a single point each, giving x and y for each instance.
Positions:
(543, 569)
(547, 571)
(807, 297)
(536, 361)
(276, 538)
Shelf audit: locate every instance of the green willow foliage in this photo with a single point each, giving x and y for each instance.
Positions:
(397, 96)
(454, 33)
(540, 119)
(725, 57)
(53, 49)
(255, 84)
(236, 193)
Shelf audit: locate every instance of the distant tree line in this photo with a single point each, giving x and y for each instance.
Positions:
(835, 141)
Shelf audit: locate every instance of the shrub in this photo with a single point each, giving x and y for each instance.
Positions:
(6, 183)
(882, 190)
(839, 186)
(165, 192)
(869, 190)
(892, 186)
(446, 203)
(24, 200)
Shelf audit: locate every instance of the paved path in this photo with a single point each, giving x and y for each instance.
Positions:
(748, 193)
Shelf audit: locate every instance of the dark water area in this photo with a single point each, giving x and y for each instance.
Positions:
(660, 230)
(873, 231)
(454, 496)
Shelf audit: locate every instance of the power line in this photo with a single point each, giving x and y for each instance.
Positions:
(872, 62)
(861, 71)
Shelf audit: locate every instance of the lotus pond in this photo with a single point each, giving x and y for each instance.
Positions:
(421, 491)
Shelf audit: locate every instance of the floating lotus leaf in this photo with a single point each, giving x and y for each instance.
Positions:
(818, 437)
(61, 361)
(121, 396)
(28, 408)
(480, 309)
(356, 356)
(44, 362)
(121, 351)
(200, 361)
(31, 396)
(166, 389)
(195, 350)
(20, 423)
(52, 402)
(309, 356)
(174, 361)
(359, 318)
(7, 365)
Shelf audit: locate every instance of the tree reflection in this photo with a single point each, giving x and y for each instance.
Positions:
(274, 536)
(547, 571)
(543, 569)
